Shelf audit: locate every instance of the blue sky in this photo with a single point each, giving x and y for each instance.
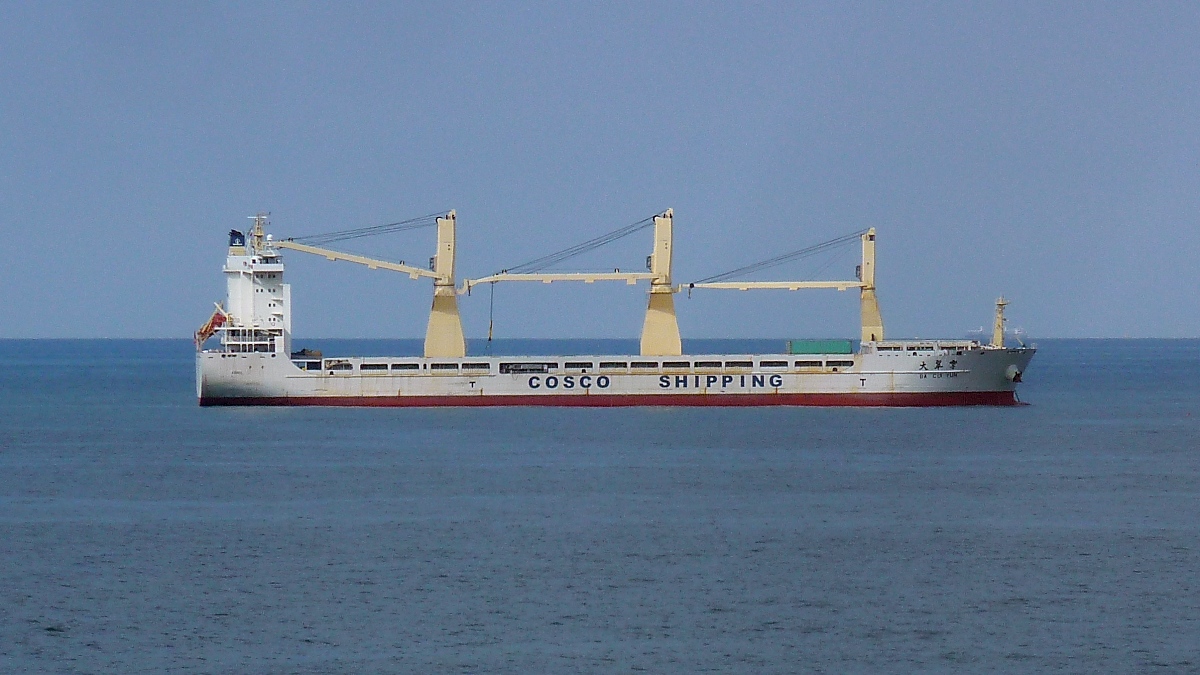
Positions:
(1046, 151)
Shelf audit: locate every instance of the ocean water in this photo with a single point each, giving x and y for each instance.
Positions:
(140, 533)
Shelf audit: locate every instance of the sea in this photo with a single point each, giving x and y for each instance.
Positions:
(140, 533)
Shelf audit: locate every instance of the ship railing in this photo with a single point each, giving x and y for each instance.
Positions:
(915, 348)
(248, 348)
(383, 367)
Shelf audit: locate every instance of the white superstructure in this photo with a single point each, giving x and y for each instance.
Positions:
(257, 302)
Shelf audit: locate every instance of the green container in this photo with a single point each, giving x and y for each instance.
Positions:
(820, 346)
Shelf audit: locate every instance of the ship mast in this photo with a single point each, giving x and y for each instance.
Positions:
(998, 326)
(660, 330)
(444, 333)
(872, 321)
(257, 235)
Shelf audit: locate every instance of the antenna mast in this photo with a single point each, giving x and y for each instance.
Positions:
(257, 232)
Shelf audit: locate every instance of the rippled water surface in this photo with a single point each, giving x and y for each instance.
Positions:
(140, 533)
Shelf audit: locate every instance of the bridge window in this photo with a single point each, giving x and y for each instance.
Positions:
(613, 364)
(676, 364)
(477, 366)
(406, 366)
(839, 364)
(773, 364)
(739, 364)
(373, 366)
(578, 365)
(646, 364)
(443, 366)
(808, 364)
(708, 364)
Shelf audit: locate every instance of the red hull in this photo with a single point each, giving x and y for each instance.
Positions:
(923, 399)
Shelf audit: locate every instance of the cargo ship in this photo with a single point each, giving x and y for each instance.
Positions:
(254, 363)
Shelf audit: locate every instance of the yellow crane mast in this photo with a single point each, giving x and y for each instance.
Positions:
(872, 321)
(660, 330)
(444, 333)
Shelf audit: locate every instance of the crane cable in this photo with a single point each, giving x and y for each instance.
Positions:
(491, 315)
(784, 258)
(358, 233)
(539, 264)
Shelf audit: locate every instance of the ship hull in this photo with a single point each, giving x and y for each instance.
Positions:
(867, 400)
(938, 376)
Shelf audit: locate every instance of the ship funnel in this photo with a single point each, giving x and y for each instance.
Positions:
(237, 243)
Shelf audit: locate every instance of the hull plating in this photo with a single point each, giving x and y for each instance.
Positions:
(979, 376)
(930, 399)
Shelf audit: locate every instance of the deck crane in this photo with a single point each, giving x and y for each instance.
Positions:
(660, 330)
(444, 333)
(872, 321)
